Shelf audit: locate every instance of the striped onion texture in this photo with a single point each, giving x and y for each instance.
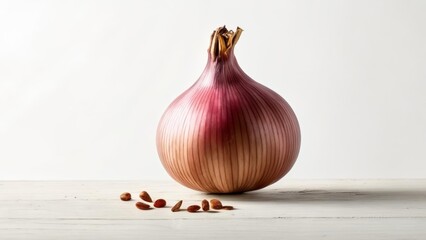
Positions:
(227, 133)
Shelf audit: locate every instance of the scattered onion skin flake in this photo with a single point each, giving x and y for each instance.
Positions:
(228, 133)
(177, 206)
(145, 196)
(126, 196)
(228, 208)
(216, 204)
(142, 206)
(193, 208)
(160, 203)
(205, 205)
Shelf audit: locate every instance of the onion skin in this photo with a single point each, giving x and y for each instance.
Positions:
(227, 133)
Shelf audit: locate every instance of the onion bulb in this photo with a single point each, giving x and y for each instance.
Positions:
(227, 133)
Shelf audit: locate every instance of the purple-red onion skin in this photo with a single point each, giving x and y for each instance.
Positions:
(228, 133)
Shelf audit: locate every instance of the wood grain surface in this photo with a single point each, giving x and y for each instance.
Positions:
(290, 209)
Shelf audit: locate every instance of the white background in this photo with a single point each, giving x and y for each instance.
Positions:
(83, 84)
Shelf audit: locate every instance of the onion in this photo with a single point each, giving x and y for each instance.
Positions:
(227, 133)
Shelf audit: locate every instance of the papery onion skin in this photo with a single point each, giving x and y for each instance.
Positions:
(227, 133)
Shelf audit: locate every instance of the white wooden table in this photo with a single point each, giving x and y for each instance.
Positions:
(290, 209)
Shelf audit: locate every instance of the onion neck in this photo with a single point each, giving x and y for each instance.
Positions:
(222, 66)
(222, 43)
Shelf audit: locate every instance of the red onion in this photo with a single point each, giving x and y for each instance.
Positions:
(227, 133)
